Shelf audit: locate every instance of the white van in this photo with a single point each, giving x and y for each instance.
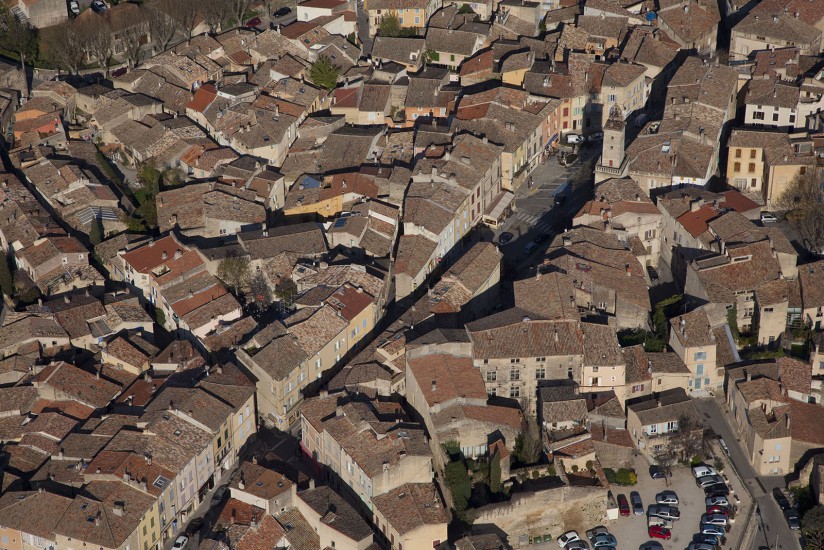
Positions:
(702, 470)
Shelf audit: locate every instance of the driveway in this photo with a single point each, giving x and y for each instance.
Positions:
(773, 529)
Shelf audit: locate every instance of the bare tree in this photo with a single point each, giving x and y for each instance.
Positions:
(184, 13)
(133, 36)
(215, 12)
(803, 200)
(161, 25)
(64, 46)
(19, 37)
(239, 8)
(99, 40)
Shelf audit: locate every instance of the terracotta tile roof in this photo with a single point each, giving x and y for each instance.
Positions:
(795, 375)
(336, 513)
(412, 506)
(806, 425)
(238, 512)
(761, 389)
(299, 534)
(613, 436)
(24, 511)
(443, 378)
(81, 385)
(668, 405)
(747, 267)
(414, 253)
(17, 400)
(262, 536)
(259, 481)
(811, 279)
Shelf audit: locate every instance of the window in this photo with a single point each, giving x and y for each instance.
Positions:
(318, 363)
(699, 356)
(792, 119)
(611, 98)
(752, 153)
(738, 153)
(491, 376)
(699, 369)
(514, 391)
(747, 312)
(672, 426)
(649, 234)
(514, 361)
(540, 373)
(768, 309)
(752, 167)
(758, 115)
(638, 387)
(736, 167)
(514, 374)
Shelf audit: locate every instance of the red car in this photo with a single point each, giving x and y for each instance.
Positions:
(254, 22)
(718, 510)
(658, 532)
(623, 505)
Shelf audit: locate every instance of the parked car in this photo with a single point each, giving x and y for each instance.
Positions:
(623, 505)
(657, 472)
(602, 541)
(718, 510)
(717, 530)
(282, 12)
(98, 6)
(578, 545)
(700, 546)
(715, 519)
(667, 497)
(254, 23)
(180, 542)
(702, 470)
(664, 511)
(656, 520)
(637, 505)
(711, 479)
(653, 274)
(768, 217)
(219, 494)
(707, 539)
(651, 545)
(560, 199)
(716, 490)
(792, 519)
(568, 537)
(718, 500)
(74, 7)
(530, 248)
(658, 532)
(194, 526)
(781, 499)
(505, 237)
(575, 139)
(597, 136)
(595, 531)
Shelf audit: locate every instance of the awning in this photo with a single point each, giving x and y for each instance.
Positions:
(500, 206)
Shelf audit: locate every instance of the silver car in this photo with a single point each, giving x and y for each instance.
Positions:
(667, 497)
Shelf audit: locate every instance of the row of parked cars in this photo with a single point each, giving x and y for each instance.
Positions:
(715, 522)
(793, 521)
(599, 537)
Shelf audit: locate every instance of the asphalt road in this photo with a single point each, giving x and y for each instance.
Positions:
(774, 533)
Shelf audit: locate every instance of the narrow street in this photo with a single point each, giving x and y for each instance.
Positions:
(774, 533)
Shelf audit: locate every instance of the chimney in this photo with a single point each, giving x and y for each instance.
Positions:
(117, 509)
(164, 256)
(312, 483)
(68, 300)
(338, 411)
(434, 386)
(629, 270)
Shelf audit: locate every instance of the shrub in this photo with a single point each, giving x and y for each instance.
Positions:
(612, 477)
(589, 465)
(625, 476)
(575, 468)
(536, 474)
(696, 460)
(551, 471)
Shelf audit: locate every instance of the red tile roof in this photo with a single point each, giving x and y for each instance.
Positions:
(695, 222)
(203, 97)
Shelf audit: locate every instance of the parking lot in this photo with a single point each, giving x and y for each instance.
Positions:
(631, 531)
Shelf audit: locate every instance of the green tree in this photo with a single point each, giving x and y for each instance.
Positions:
(18, 37)
(6, 279)
(732, 321)
(96, 231)
(390, 25)
(149, 176)
(465, 8)
(160, 317)
(324, 73)
(234, 271)
(457, 479)
(495, 473)
(527, 449)
(812, 526)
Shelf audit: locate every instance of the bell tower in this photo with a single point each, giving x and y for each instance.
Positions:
(611, 163)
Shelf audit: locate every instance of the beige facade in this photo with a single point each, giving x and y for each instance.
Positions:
(694, 342)
(654, 423)
(411, 516)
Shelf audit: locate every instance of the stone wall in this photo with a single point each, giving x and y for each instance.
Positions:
(550, 511)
